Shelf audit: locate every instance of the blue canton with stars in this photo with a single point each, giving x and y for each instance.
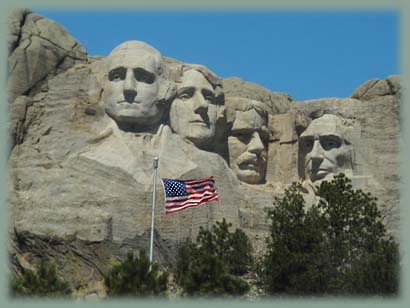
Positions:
(174, 188)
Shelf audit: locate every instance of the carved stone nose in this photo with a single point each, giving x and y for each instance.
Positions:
(315, 164)
(200, 104)
(129, 95)
(255, 146)
(317, 151)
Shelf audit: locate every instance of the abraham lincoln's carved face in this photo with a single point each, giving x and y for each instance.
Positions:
(324, 148)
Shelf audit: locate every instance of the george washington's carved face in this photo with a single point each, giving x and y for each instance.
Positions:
(131, 86)
(324, 148)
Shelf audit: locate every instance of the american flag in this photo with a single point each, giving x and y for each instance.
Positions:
(180, 195)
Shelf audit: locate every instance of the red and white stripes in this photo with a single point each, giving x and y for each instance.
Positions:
(198, 192)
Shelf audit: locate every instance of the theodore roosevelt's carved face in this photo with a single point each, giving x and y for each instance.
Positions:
(193, 112)
(324, 148)
(132, 84)
(248, 146)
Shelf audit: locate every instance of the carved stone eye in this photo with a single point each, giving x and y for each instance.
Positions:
(330, 142)
(208, 96)
(244, 137)
(144, 76)
(117, 74)
(184, 96)
(307, 143)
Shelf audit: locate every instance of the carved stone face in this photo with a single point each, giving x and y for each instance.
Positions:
(131, 86)
(324, 149)
(193, 112)
(248, 146)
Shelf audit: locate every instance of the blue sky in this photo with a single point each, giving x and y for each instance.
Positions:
(306, 54)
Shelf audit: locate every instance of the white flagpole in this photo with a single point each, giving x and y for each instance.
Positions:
(151, 246)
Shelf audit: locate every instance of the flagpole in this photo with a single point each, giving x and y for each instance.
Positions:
(151, 246)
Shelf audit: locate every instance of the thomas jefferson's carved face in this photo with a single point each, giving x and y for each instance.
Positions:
(193, 112)
(131, 87)
(324, 149)
(248, 147)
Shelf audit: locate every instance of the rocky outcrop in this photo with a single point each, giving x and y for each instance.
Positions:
(376, 88)
(276, 102)
(38, 48)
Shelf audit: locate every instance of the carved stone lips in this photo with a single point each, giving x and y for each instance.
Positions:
(250, 164)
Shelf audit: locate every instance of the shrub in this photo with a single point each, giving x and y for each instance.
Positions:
(43, 283)
(209, 266)
(339, 246)
(134, 277)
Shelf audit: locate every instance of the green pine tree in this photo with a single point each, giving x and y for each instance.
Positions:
(339, 246)
(134, 277)
(42, 282)
(209, 266)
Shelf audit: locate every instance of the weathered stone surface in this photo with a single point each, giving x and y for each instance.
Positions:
(15, 21)
(394, 82)
(39, 47)
(372, 88)
(282, 152)
(276, 102)
(17, 112)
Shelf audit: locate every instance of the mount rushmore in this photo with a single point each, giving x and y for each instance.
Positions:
(84, 131)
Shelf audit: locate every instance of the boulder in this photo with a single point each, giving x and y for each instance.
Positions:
(372, 88)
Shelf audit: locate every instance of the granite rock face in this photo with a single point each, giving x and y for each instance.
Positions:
(276, 102)
(39, 48)
(81, 185)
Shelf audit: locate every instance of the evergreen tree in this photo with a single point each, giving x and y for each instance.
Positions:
(240, 259)
(42, 282)
(339, 246)
(134, 277)
(209, 266)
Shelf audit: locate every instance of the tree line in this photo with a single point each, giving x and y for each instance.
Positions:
(338, 246)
